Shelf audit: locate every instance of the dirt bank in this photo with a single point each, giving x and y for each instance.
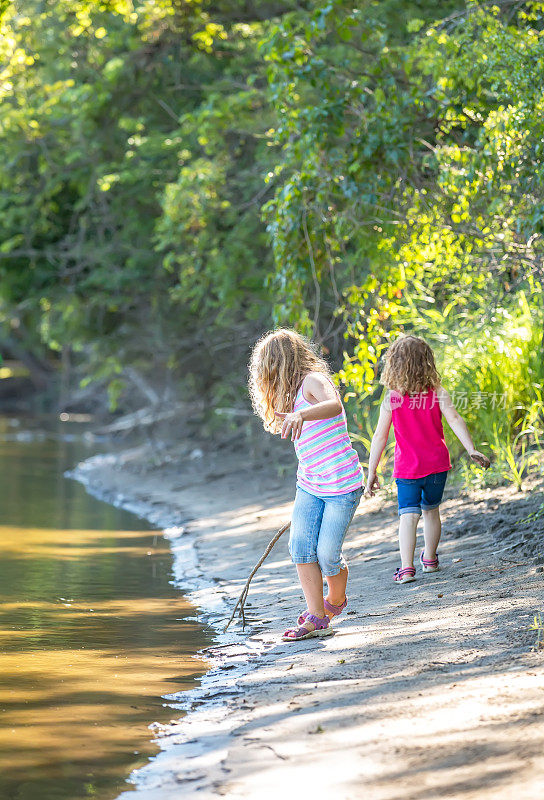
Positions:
(427, 690)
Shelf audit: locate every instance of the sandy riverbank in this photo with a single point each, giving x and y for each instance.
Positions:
(427, 690)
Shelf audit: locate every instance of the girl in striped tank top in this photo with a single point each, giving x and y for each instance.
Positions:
(292, 391)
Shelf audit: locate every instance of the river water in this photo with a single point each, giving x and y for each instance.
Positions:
(92, 632)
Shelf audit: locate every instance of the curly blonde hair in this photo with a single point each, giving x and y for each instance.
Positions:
(279, 362)
(409, 367)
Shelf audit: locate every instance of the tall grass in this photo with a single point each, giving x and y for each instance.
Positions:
(495, 373)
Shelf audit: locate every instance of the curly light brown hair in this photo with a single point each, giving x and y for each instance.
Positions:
(409, 367)
(279, 362)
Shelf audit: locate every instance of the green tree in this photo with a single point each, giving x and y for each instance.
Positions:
(135, 143)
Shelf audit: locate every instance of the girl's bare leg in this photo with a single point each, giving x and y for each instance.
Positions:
(337, 588)
(432, 529)
(311, 580)
(407, 538)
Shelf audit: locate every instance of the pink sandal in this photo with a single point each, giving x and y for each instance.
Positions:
(336, 610)
(429, 564)
(406, 575)
(321, 629)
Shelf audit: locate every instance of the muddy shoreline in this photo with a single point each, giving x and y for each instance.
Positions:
(269, 716)
(116, 479)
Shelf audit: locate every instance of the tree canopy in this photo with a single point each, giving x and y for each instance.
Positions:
(178, 175)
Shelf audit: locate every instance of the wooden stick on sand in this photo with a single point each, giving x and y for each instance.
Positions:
(242, 599)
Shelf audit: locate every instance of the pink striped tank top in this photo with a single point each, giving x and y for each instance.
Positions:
(327, 463)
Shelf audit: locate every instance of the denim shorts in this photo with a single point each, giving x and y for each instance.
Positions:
(318, 528)
(425, 493)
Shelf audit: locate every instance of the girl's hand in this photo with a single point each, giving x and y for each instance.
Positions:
(372, 484)
(480, 459)
(291, 423)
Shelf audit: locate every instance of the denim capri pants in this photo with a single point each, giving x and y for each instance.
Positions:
(318, 528)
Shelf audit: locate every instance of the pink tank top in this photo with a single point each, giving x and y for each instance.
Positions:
(420, 447)
(327, 463)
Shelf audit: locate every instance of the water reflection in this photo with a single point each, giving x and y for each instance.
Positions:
(91, 633)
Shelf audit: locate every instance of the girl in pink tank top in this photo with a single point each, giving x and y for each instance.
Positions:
(415, 403)
(292, 392)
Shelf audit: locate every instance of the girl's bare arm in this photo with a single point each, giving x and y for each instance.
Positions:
(459, 427)
(325, 404)
(379, 440)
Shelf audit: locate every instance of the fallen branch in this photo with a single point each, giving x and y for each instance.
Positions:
(242, 599)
